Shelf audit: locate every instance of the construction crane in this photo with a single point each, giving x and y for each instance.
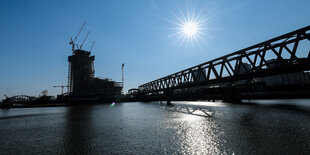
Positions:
(92, 45)
(62, 88)
(72, 41)
(84, 39)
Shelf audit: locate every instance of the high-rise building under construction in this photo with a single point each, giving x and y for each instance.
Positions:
(83, 85)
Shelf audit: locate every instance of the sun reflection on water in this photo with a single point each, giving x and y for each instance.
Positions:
(196, 132)
(197, 136)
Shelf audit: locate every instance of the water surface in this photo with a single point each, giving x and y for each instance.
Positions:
(152, 128)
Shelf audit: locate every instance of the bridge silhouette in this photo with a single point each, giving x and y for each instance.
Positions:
(275, 69)
(19, 99)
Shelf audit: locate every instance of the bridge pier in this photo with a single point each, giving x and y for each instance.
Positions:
(233, 99)
(169, 103)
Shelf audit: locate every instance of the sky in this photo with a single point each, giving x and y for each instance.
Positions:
(145, 35)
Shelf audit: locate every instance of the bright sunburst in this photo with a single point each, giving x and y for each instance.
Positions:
(190, 29)
(192, 24)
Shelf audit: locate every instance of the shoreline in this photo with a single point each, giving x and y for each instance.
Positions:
(37, 106)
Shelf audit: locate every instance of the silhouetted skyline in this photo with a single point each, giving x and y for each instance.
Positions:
(141, 34)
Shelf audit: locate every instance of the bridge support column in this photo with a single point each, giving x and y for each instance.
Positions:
(232, 98)
(169, 103)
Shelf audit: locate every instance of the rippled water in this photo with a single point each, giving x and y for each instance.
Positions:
(152, 128)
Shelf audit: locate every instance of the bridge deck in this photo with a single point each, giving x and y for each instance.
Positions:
(286, 55)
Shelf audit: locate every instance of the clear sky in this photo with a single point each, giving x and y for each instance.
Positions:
(143, 34)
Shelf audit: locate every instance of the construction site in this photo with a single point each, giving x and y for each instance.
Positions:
(82, 85)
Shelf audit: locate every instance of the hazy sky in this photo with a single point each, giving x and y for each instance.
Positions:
(143, 34)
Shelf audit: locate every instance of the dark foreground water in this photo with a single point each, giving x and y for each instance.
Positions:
(150, 128)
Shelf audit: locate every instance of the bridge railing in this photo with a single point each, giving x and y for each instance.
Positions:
(284, 54)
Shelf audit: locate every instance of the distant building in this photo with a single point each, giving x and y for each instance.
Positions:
(274, 80)
(284, 79)
(201, 77)
(243, 68)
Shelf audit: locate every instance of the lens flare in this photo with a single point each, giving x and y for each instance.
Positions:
(112, 105)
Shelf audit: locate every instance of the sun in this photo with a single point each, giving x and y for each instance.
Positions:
(190, 29)
(191, 24)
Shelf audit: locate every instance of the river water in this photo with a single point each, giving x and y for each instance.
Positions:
(153, 128)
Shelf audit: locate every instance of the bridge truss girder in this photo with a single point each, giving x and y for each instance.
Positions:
(276, 56)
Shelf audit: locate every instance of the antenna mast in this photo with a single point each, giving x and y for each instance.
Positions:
(123, 74)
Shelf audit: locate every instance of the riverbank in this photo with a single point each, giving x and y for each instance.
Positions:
(56, 104)
(35, 105)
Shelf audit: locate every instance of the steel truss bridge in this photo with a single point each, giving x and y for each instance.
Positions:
(19, 99)
(244, 74)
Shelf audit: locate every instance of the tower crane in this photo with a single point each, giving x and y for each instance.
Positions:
(84, 39)
(62, 88)
(92, 45)
(72, 41)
